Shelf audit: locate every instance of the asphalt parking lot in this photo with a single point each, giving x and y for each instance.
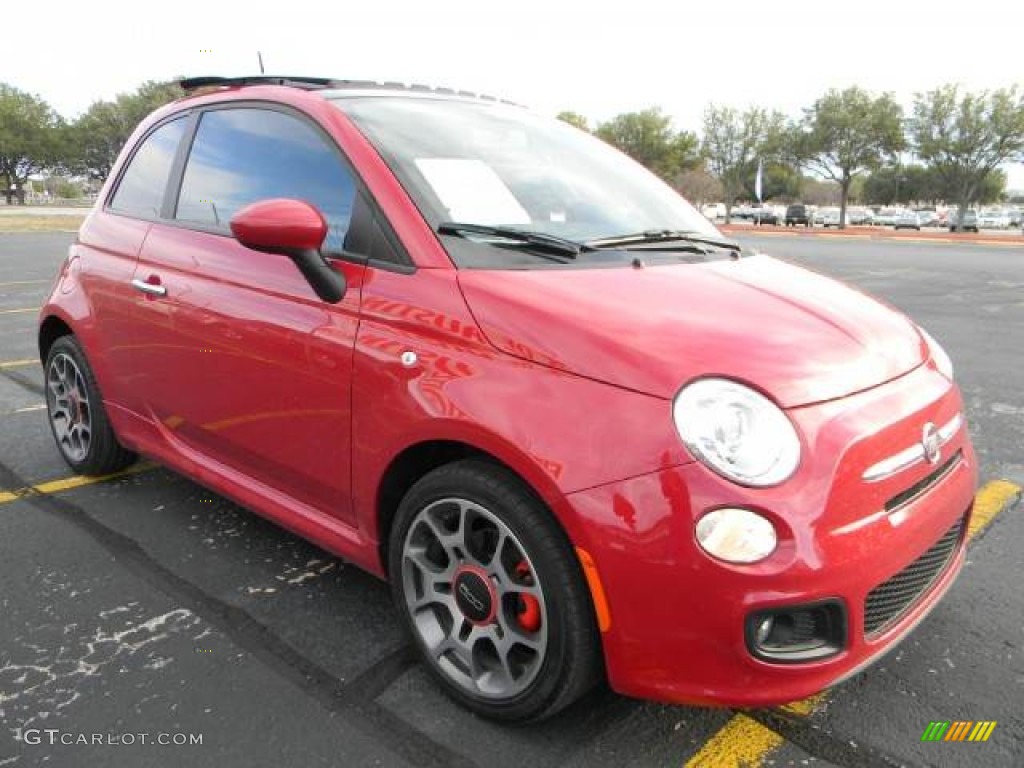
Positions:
(145, 604)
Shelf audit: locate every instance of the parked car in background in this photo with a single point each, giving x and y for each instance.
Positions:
(994, 219)
(969, 223)
(907, 220)
(827, 217)
(714, 211)
(333, 303)
(886, 217)
(797, 214)
(764, 214)
(860, 215)
(927, 217)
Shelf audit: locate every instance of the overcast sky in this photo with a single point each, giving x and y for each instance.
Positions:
(593, 57)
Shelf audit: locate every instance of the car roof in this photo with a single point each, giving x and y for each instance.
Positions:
(332, 88)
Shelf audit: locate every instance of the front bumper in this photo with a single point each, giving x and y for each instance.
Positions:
(678, 616)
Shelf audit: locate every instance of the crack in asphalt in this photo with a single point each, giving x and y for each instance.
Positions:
(24, 382)
(355, 698)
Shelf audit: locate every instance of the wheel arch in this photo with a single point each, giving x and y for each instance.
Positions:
(51, 329)
(418, 459)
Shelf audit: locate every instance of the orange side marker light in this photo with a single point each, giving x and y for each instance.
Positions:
(604, 615)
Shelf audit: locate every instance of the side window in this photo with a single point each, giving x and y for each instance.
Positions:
(243, 155)
(141, 189)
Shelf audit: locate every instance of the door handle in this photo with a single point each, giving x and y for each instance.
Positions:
(150, 288)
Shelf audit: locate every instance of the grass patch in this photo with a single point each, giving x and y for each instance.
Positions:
(56, 223)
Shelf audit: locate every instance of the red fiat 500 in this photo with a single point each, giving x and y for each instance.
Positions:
(480, 353)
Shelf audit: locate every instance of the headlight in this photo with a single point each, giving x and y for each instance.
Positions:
(737, 432)
(736, 535)
(942, 361)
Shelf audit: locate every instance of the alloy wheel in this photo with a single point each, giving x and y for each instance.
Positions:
(69, 406)
(475, 599)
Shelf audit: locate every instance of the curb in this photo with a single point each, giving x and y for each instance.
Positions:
(871, 233)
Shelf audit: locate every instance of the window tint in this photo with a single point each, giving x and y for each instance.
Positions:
(141, 189)
(240, 156)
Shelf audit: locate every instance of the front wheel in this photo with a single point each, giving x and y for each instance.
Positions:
(492, 594)
(77, 417)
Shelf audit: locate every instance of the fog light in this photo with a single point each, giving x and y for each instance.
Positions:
(736, 535)
(798, 633)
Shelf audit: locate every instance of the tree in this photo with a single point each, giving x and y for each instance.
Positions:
(778, 182)
(574, 119)
(648, 138)
(733, 143)
(29, 138)
(966, 137)
(698, 186)
(847, 133)
(819, 192)
(97, 136)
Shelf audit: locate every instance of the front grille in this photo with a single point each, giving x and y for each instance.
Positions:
(924, 485)
(891, 599)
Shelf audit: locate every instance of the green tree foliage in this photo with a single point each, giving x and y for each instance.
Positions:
(97, 136)
(30, 138)
(778, 182)
(733, 143)
(901, 184)
(910, 184)
(817, 191)
(575, 119)
(649, 139)
(846, 133)
(965, 137)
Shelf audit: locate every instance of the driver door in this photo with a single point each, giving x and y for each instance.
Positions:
(240, 363)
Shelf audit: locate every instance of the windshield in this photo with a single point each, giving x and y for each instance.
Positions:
(502, 166)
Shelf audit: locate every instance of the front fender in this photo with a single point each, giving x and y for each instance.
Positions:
(560, 432)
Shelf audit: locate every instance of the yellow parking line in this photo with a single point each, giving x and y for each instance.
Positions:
(67, 483)
(743, 741)
(17, 363)
(30, 408)
(805, 707)
(22, 311)
(26, 409)
(992, 499)
(11, 283)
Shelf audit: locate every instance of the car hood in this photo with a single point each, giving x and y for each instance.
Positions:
(798, 336)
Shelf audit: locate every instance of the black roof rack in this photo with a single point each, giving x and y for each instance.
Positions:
(318, 83)
(308, 83)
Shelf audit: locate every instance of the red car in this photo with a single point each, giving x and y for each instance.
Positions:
(483, 355)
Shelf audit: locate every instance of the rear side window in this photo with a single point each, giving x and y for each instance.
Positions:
(240, 156)
(141, 190)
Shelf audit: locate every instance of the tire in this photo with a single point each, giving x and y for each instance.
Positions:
(76, 414)
(476, 562)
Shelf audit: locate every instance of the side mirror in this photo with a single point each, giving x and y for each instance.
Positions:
(297, 230)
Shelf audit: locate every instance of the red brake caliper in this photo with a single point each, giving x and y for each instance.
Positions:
(528, 611)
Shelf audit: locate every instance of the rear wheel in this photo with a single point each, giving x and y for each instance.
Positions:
(77, 417)
(492, 594)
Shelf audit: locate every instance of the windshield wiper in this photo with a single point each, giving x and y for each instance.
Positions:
(560, 246)
(664, 236)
